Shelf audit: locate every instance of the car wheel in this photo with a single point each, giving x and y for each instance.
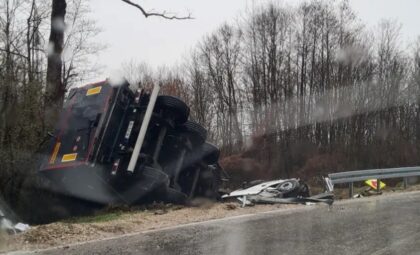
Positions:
(288, 187)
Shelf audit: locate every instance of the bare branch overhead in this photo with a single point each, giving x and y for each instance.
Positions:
(157, 14)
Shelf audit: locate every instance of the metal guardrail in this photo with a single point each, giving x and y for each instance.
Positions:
(379, 174)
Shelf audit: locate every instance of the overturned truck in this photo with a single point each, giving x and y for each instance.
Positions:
(116, 146)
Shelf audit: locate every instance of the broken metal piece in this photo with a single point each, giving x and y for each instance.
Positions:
(254, 190)
(21, 227)
(9, 227)
(329, 184)
(291, 191)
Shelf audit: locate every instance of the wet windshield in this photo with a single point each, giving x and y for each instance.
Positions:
(198, 127)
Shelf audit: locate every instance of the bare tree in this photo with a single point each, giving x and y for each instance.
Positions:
(202, 107)
(139, 75)
(220, 54)
(55, 89)
(163, 14)
(80, 44)
(21, 84)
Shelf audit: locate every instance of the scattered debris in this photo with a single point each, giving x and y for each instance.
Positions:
(22, 227)
(160, 212)
(371, 189)
(367, 192)
(6, 225)
(231, 206)
(290, 191)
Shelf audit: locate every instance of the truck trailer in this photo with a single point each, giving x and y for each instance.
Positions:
(113, 145)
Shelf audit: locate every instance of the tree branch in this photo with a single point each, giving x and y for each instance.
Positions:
(156, 14)
(14, 53)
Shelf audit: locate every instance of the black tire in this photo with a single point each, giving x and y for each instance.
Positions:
(288, 188)
(211, 153)
(196, 133)
(207, 153)
(209, 183)
(294, 188)
(174, 196)
(177, 108)
(191, 159)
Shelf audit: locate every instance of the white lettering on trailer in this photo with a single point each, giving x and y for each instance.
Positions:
(129, 129)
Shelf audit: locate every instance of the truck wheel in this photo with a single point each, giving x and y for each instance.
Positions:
(174, 196)
(175, 106)
(211, 153)
(197, 133)
(209, 183)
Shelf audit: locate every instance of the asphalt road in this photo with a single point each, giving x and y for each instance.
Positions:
(381, 225)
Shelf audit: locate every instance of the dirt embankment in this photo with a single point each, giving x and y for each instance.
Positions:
(123, 221)
(119, 221)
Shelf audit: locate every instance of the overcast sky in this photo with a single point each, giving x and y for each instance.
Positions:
(158, 42)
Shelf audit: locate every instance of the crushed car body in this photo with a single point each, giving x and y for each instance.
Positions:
(289, 191)
(115, 146)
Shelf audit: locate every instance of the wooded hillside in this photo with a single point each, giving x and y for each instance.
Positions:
(303, 91)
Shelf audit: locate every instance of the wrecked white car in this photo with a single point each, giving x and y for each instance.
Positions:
(290, 191)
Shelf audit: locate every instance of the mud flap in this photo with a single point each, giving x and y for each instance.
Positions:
(82, 182)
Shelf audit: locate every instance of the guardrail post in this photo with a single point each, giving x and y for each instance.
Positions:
(351, 189)
(405, 181)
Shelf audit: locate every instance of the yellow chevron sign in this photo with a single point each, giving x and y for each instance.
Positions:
(374, 184)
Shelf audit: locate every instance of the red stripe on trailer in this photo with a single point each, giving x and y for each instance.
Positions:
(60, 166)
